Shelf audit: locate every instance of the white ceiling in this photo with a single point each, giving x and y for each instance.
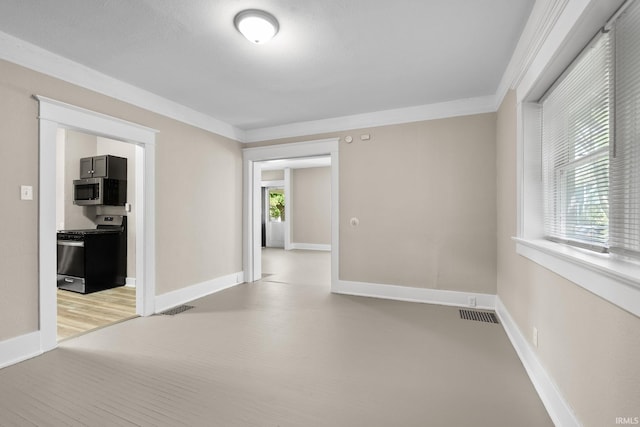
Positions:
(330, 59)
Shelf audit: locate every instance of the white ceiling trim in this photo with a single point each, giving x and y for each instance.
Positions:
(541, 22)
(567, 20)
(33, 57)
(462, 107)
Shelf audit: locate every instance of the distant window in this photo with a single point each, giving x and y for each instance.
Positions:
(276, 204)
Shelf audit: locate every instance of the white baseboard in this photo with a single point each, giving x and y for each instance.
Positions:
(558, 408)
(20, 348)
(130, 282)
(310, 247)
(199, 290)
(405, 293)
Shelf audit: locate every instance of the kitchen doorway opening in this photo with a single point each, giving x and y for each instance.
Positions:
(95, 277)
(55, 115)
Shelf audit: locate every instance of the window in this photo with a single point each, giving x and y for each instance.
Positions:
(579, 156)
(575, 148)
(276, 204)
(590, 137)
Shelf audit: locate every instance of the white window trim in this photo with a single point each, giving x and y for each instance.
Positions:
(612, 278)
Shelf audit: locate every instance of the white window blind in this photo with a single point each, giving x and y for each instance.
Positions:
(576, 135)
(625, 159)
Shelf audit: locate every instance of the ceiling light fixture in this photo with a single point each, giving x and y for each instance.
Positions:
(256, 25)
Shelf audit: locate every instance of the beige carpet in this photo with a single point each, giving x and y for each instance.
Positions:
(283, 352)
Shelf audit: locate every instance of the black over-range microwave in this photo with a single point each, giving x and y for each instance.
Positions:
(99, 191)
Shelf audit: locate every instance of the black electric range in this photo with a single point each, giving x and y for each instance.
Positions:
(95, 259)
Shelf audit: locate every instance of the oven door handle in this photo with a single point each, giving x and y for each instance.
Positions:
(71, 243)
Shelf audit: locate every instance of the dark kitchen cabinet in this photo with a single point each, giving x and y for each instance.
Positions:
(104, 166)
(86, 167)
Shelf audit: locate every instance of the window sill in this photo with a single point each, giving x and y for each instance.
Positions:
(616, 280)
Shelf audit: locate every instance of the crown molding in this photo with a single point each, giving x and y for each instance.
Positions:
(542, 20)
(28, 55)
(462, 107)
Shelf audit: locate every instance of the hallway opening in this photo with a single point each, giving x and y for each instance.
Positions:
(299, 228)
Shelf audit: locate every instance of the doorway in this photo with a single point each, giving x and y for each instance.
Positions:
(84, 305)
(253, 199)
(273, 215)
(54, 115)
(297, 204)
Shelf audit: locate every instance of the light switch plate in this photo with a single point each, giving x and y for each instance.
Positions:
(26, 192)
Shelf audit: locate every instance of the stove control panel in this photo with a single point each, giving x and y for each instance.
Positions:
(70, 236)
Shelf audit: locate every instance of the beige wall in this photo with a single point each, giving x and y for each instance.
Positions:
(276, 175)
(198, 195)
(76, 146)
(425, 195)
(590, 347)
(311, 206)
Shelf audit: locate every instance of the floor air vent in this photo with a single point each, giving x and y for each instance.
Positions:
(175, 310)
(479, 316)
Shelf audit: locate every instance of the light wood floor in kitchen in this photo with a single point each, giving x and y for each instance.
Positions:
(283, 351)
(78, 313)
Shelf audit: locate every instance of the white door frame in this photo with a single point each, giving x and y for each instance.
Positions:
(53, 115)
(252, 254)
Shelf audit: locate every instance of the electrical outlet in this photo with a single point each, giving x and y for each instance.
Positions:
(472, 301)
(535, 337)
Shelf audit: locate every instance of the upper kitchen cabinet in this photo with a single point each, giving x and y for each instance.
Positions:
(104, 166)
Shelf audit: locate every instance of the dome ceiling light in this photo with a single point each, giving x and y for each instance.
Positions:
(256, 25)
